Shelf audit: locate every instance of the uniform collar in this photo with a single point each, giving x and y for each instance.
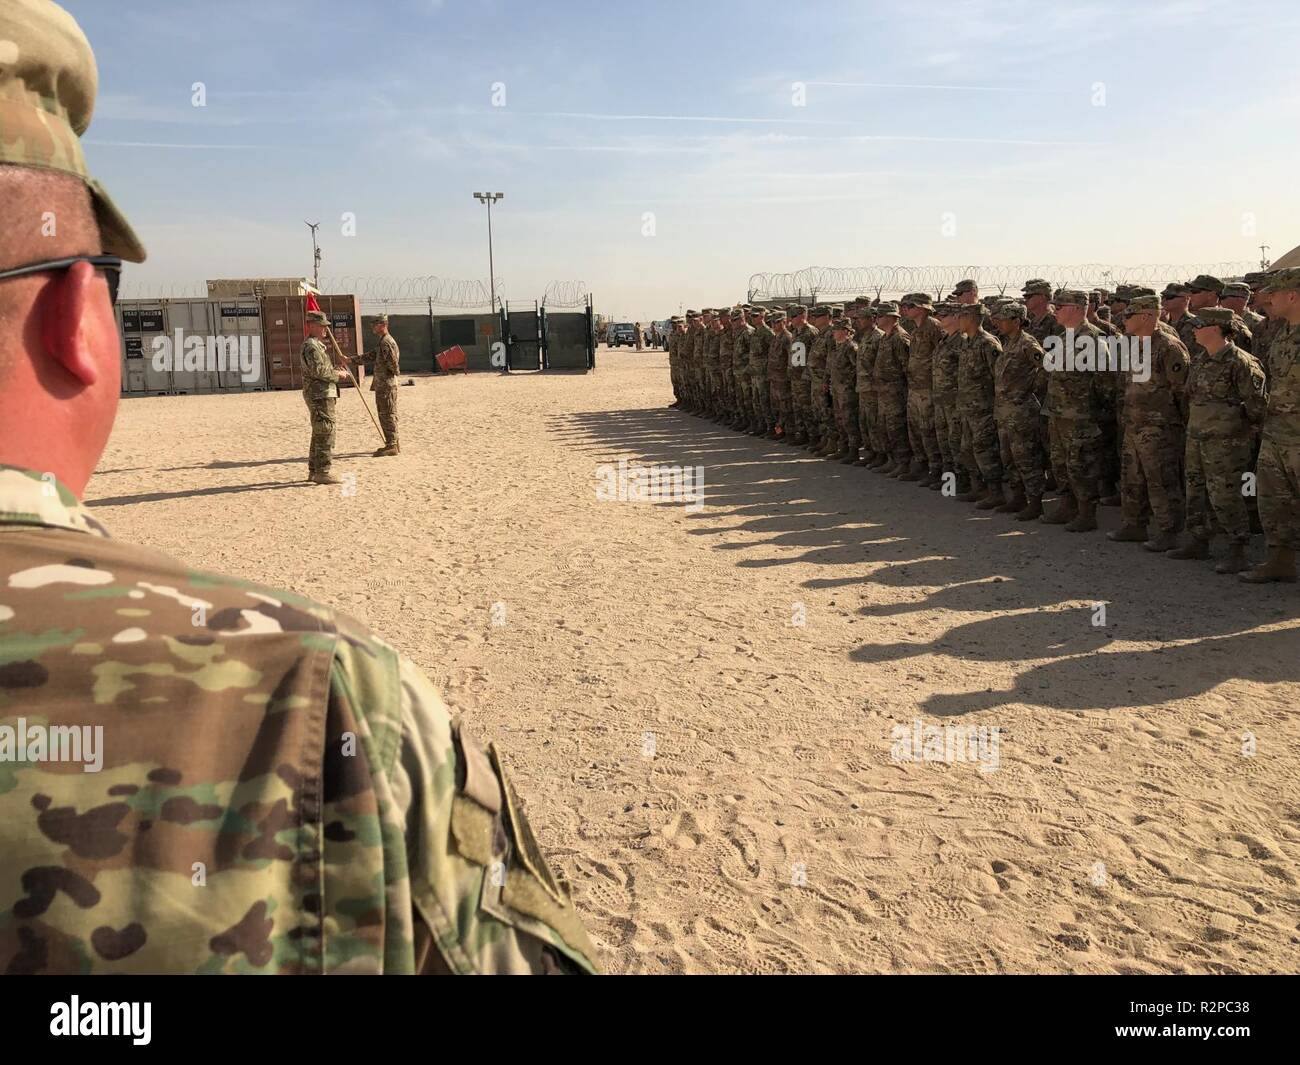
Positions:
(31, 498)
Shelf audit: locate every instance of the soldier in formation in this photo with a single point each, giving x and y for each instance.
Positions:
(1182, 409)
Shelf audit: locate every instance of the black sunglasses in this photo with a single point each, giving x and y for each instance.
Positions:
(109, 265)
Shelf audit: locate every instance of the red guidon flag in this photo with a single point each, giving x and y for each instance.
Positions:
(312, 305)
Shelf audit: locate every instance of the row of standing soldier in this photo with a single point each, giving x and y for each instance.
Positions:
(1186, 439)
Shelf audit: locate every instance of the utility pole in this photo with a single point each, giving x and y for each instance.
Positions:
(1263, 256)
(315, 253)
(490, 198)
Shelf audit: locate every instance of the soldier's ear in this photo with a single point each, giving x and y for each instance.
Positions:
(69, 328)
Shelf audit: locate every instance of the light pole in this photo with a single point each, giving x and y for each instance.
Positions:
(315, 252)
(490, 198)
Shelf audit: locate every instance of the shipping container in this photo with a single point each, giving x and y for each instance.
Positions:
(283, 321)
(180, 346)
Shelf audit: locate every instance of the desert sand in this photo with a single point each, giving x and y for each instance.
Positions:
(700, 705)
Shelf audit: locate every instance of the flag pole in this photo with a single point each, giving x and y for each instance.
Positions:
(348, 370)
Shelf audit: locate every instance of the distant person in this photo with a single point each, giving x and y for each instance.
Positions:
(385, 360)
(636, 332)
(320, 391)
(246, 781)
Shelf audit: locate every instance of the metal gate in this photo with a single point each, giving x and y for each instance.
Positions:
(570, 339)
(523, 331)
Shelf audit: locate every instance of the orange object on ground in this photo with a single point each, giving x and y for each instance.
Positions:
(452, 359)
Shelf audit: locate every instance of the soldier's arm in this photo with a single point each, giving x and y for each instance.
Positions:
(1252, 389)
(465, 880)
(316, 364)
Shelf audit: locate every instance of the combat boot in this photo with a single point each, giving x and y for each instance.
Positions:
(995, 499)
(1166, 540)
(1033, 509)
(1086, 518)
(1280, 566)
(1065, 511)
(977, 490)
(323, 477)
(1192, 549)
(1128, 534)
(866, 459)
(1015, 504)
(880, 462)
(937, 484)
(913, 471)
(928, 478)
(963, 483)
(1109, 495)
(850, 456)
(1236, 560)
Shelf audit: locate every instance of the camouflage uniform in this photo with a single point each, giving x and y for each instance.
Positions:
(1076, 400)
(818, 392)
(842, 369)
(868, 408)
(386, 362)
(320, 391)
(1153, 438)
(890, 381)
(726, 375)
(761, 344)
(1225, 405)
(980, 449)
(712, 369)
(800, 389)
(922, 433)
(742, 337)
(1019, 385)
(1279, 456)
(280, 791)
(778, 378)
(947, 424)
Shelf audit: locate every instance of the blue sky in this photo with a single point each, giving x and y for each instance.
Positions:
(981, 115)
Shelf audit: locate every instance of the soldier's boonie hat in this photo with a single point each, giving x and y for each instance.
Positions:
(1070, 297)
(1205, 283)
(1037, 287)
(837, 308)
(1280, 280)
(1143, 305)
(917, 299)
(1173, 290)
(886, 309)
(993, 301)
(1140, 290)
(1123, 293)
(1255, 279)
(1235, 290)
(317, 317)
(1008, 309)
(976, 310)
(1220, 316)
(966, 284)
(48, 83)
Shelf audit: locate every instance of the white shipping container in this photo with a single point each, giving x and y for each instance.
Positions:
(241, 319)
(229, 328)
(138, 323)
(189, 322)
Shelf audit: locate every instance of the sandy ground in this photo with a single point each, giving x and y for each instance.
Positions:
(723, 785)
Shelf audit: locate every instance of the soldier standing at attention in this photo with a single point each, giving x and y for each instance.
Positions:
(947, 426)
(1153, 434)
(1225, 405)
(678, 329)
(759, 346)
(889, 377)
(343, 821)
(385, 360)
(778, 377)
(320, 391)
(740, 340)
(873, 449)
(818, 393)
(1019, 387)
(1279, 453)
(842, 365)
(981, 450)
(927, 459)
(805, 336)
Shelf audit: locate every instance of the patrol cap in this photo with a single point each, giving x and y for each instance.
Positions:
(709, 312)
(1036, 286)
(1143, 305)
(1235, 290)
(676, 318)
(759, 311)
(966, 284)
(795, 309)
(1103, 294)
(842, 323)
(975, 310)
(1071, 297)
(776, 316)
(1123, 293)
(917, 299)
(1220, 316)
(862, 309)
(317, 317)
(886, 309)
(820, 311)
(1009, 309)
(1255, 279)
(836, 308)
(1173, 290)
(992, 301)
(692, 314)
(1281, 280)
(1205, 283)
(48, 83)
(381, 319)
(1140, 290)
(724, 314)
(946, 307)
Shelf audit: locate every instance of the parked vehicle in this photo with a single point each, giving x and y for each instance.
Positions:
(623, 333)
